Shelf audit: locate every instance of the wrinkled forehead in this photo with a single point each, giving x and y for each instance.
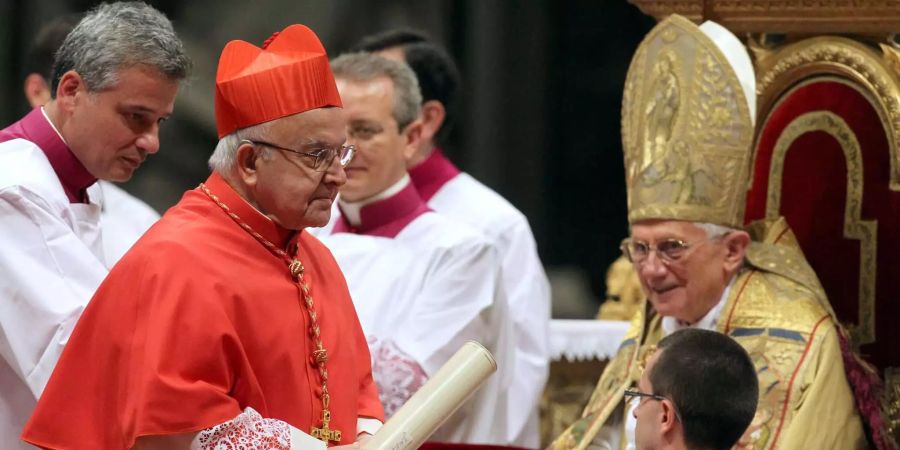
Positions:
(321, 126)
(659, 229)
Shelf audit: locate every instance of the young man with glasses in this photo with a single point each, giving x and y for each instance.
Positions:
(422, 284)
(228, 325)
(699, 390)
(687, 130)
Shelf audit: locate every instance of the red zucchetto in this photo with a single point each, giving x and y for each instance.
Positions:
(290, 74)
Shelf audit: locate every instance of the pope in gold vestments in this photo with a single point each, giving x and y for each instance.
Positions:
(687, 129)
(774, 310)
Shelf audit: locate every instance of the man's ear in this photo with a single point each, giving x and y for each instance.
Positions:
(70, 85)
(433, 115)
(668, 418)
(36, 90)
(736, 244)
(413, 135)
(245, 161)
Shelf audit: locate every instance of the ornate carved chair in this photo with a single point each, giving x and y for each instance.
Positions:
(827, 156)
(827, 159)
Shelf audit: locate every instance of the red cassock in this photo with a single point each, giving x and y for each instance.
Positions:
(199, 321)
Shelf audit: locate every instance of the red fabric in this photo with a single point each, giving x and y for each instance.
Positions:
(197, 322)
(431, 175)
(814, 195)
(813, 198)
(289, 75)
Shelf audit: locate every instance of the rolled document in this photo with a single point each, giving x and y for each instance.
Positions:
(436, 400)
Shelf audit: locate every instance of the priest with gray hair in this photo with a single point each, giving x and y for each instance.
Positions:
(114, 82)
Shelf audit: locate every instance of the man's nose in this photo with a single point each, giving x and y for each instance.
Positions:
(335, 173)
(653, 265)
(148, 141)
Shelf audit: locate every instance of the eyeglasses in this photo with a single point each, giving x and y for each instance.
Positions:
(668, 251)
(322, 158)
(632, 394)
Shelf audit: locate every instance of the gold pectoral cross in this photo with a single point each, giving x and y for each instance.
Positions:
(324, 433)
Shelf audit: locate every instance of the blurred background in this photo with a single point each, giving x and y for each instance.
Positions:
(542, 85)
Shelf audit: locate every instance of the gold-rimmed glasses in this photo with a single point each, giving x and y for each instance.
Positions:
(669, 251)
(322, 158)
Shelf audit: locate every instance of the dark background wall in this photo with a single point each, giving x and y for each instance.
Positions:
(542, 82)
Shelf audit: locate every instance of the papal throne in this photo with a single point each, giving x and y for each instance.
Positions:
(826, 150)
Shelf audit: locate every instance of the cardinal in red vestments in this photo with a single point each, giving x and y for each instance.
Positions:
(228, 325)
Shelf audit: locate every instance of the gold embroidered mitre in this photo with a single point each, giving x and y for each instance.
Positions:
(687, 127)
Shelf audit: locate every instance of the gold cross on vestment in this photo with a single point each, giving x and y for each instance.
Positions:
(324, 433)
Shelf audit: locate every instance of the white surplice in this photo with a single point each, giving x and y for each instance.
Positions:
(123, 217)
(462, 198)
(422, 286)
(51, 263)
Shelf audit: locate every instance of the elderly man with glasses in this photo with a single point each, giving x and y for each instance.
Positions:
(228, 325)
(687, 130)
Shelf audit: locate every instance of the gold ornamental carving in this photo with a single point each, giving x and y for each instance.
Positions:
(844, 58)
(784, 16)
(686, 129)
(865, 231)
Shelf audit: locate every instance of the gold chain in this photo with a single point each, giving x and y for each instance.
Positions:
(319, 354)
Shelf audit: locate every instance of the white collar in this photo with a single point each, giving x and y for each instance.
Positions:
(351, 210)
(44, 112)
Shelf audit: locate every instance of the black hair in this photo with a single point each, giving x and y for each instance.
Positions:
(438, 75)
(713, 383)
(43, 48)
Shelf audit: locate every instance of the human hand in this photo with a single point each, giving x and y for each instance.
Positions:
(363, 438)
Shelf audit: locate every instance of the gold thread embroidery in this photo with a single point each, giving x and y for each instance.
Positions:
(686, 129)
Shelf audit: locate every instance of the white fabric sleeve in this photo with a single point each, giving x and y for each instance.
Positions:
(367, 425)
(456, 304)
(49, 275)
(528, 294)
(463, 301)
(250, 431)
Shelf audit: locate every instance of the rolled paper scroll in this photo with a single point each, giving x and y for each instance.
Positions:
(436, 400)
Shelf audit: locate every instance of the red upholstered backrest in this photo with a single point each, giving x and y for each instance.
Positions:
(822, 161)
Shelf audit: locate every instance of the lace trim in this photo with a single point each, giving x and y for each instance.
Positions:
(397, 375)
(247, 431)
